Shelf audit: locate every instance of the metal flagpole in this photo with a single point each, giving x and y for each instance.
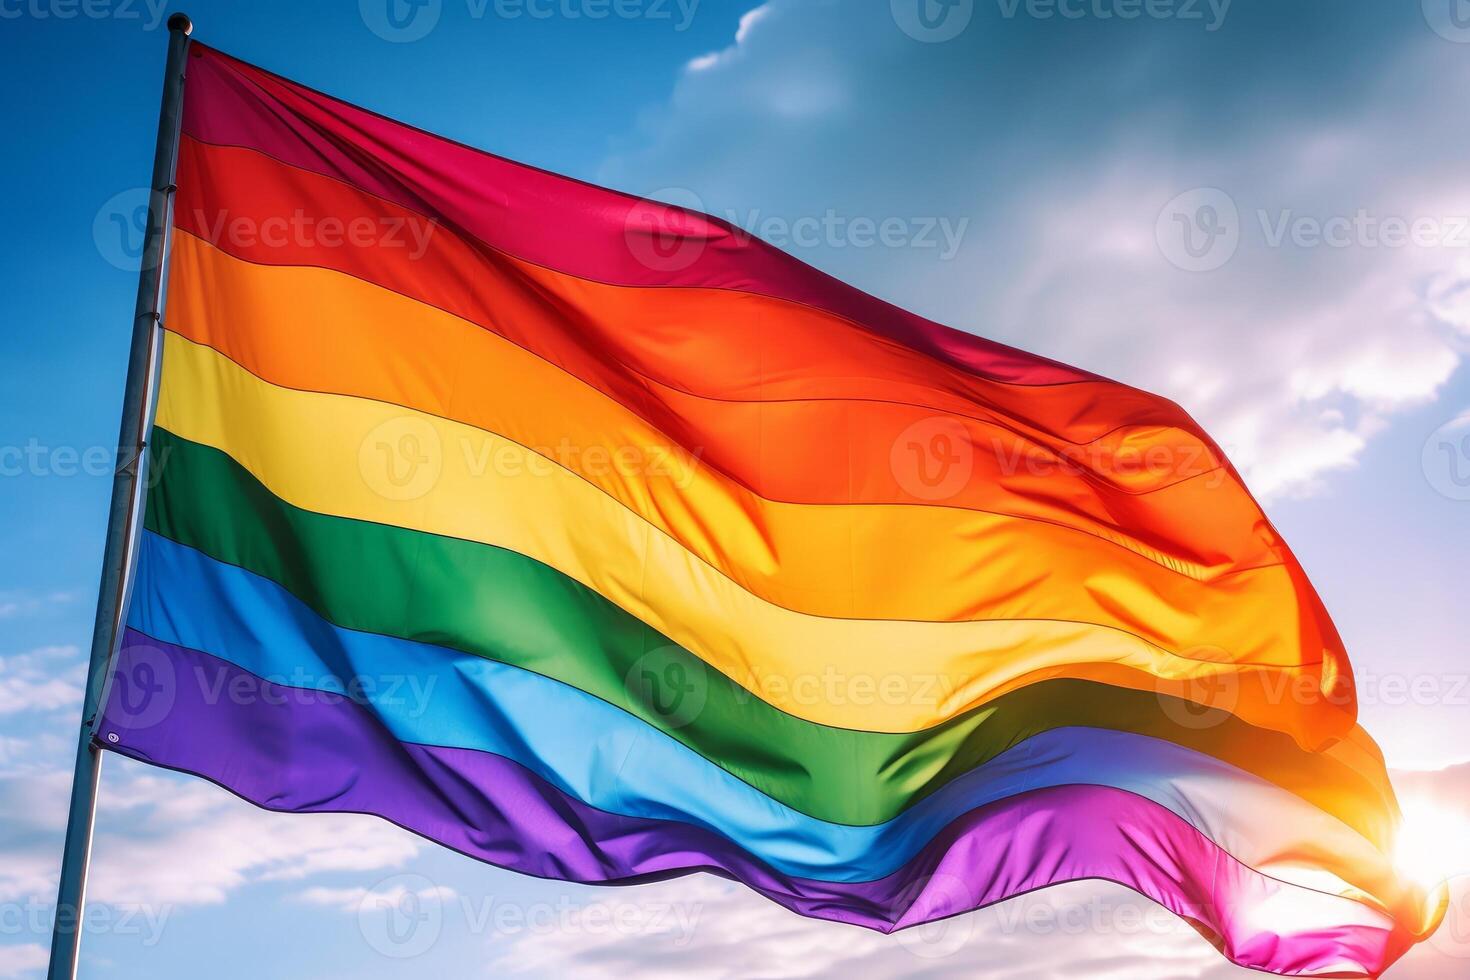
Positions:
(66, 932)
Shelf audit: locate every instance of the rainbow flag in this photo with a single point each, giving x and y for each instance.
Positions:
(600, 541)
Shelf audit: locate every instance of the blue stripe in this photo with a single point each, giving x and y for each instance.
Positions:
(601, 754)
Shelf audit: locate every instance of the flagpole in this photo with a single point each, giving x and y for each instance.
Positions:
(117, 555)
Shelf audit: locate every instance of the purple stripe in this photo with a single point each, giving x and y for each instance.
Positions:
(299, 750)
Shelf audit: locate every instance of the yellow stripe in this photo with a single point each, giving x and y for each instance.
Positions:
(372, 461)
(318, 329)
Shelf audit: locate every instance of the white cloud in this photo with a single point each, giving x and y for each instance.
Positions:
(25, 603)
(747, 22)
(22, 959)
(792, 91)
(31, 755)
(384, 894)
(35, 806)
(44, 679)
(147, 820)
(1073, 930)
(1294, 355)
(1293, 388)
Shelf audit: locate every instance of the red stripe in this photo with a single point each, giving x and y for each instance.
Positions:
(552, 220)
(724, 373)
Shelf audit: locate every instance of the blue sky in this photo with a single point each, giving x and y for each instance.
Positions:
(1040, 164)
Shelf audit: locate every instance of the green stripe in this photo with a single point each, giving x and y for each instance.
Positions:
(502, 605)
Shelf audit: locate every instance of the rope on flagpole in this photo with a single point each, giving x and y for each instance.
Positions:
(117, 555)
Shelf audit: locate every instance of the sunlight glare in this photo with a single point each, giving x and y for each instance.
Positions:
(1433, 843)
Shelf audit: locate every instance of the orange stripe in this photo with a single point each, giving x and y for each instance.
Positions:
(556, 221)
(319, 330)
(368, 460)
(807, 412)
(718, 343)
